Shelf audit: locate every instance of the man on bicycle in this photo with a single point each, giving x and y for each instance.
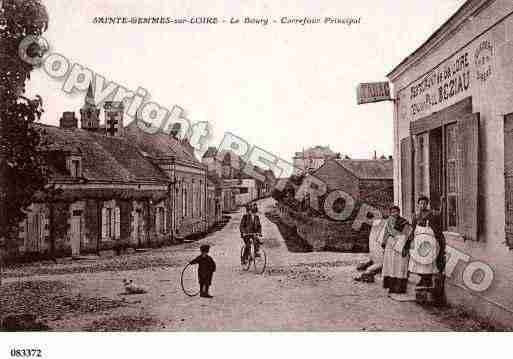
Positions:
(249, 227)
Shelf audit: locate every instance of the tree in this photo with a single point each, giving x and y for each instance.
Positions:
(21, 170)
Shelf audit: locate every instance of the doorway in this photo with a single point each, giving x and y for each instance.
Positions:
(76, 232)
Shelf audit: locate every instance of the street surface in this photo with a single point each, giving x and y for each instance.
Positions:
(299, 291)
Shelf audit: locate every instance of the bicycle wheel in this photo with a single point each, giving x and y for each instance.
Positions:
(260, 262)
(245, 266)
(189, 281)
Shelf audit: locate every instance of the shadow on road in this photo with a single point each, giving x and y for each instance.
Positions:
(292, 240)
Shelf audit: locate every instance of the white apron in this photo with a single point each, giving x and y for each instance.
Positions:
(424, 251)
(394, 264)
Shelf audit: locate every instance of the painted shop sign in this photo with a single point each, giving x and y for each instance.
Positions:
(373, 92)
(483, 60)
(454, 78)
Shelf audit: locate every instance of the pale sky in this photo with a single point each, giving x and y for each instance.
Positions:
(280, 87)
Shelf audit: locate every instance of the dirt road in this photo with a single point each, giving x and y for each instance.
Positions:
(299, 291)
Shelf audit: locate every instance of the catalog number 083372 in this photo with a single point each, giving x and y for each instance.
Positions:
(26, 353)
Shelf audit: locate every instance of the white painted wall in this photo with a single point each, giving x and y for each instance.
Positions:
(493, 99)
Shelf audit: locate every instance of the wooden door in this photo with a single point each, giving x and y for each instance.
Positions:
(35, 224)
(76, 232)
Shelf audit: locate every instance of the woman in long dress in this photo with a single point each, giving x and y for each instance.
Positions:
(395, 264)
(426, 246)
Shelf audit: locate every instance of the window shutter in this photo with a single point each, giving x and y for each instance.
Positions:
(407, 177)
(112, 222)
(157, 220)
(416, 170)
(22, 226)
(46, 227)
(165, 220)
(117, 222)
(104, 223)
(468, 163)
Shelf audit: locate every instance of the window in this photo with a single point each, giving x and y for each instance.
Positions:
(243, 190)
(442, 162)
(193, 203)
(74, 166)
(160, 220)
(451, 177)
(201, 199)
(108, 222)
(111, 221)
(190, 200)
(427, 167)
(184, 202)
(423, 164)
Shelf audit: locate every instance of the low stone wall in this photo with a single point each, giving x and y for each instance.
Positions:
(323, 234)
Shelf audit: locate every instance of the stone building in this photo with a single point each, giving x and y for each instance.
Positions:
(187, 176)
(369, 181)
(113, 186)
(214, 200)
(453, 125)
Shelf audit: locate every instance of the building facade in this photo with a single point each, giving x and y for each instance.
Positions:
(247, 191)
(113, 187)
(239, 186)
(369, 181)
(311, 159)
(221, 169)
(187, 176)
(453, 128)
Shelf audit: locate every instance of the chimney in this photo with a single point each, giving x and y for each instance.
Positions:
(68, 120)
(175, 130)
(114, 111)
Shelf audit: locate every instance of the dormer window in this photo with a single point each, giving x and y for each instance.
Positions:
(74, 166)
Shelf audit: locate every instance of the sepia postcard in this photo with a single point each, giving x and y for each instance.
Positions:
(253, 166)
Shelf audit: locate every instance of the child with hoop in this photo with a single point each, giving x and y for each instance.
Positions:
(206, 269)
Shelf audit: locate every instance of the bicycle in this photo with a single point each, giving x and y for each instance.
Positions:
(259, 262)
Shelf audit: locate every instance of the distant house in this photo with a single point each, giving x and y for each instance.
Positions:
(242, 185)
(228, 193)
(210, 160)
(367, 180)
(268, 184)
(221, 170)
(312, 158)
(247, 191)
(214, 204)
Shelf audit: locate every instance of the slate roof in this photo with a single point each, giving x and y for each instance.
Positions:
(368, 169)
(211, 152)
(103, 158)
(158, 144)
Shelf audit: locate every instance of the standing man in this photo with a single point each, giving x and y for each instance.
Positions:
(249, 228)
